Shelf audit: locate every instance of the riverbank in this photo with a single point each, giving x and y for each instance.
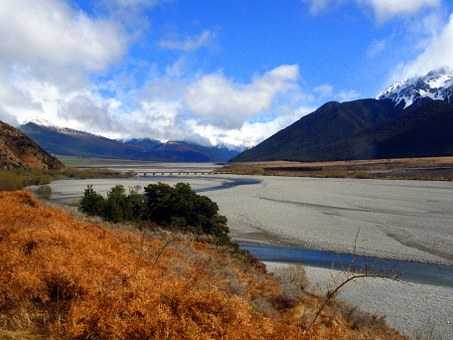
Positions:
(425, 169)
(403, 220)
(407, 271)
(420, 311)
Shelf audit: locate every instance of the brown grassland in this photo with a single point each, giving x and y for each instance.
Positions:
(64, 277)
(11, 180)
(430, 168)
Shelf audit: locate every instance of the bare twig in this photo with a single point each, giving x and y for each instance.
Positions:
(356, 239)
(161, 250)
(142, 242)
(331, 294)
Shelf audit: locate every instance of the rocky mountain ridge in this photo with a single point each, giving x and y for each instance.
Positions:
(17, 151)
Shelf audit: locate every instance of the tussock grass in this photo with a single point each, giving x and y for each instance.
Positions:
(63, 277)
(11, 180)
(18, 179)
(429, 168)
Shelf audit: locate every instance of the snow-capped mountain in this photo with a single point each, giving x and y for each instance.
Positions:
(69, 142)
(437, 85)
(62, 130)
(412, 118)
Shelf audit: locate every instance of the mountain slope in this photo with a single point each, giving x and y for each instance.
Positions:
(17, 151)
(410, 119)
(314, 136)
(423, 130)
(175, 150)
(69, 142)
(74, 143)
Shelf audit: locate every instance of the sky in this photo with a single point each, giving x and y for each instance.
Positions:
(214, 72)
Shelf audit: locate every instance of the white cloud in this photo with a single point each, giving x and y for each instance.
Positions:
(47, 53)
(376, 48)
(49, 31)
(317, 6)
(437, 53)
(250, 133)
(188, 43)
(217, 100)
(385, 9)
(348, 95)
(327, 92)
(7, 118)
(50, 51)
(324, 90)
(133, 3)
(161, 113)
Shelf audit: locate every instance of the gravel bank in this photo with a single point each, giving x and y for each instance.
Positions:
(413, 309)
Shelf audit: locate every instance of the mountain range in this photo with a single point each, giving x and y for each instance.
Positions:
(68, 142)
(413, 118)
(17, 151)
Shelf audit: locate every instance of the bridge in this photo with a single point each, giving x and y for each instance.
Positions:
(173, 173)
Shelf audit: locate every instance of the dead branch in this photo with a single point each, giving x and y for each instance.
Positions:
(331, 294)
(161, 250)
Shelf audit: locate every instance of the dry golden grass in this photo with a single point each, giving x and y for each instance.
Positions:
(429, 168)
(62, 277)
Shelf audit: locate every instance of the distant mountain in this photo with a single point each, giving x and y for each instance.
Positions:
(68, 142)
(17, 151)
(198, 153)
(410, 119)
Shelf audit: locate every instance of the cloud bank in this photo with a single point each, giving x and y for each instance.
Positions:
(437, 53)
(53, 58)
(188, 43)
(382, 9)
(50, 32)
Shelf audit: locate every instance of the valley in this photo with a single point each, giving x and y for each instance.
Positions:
(400, 220)
(263, 170)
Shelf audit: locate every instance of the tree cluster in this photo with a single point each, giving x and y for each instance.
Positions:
(176, 207)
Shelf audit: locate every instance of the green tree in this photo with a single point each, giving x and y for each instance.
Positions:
(182, 207)
(92, 203)
(135, 206)
(177, 207)
(116, 204)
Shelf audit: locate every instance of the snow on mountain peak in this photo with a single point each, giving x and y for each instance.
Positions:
(437, 85)
(63, 130)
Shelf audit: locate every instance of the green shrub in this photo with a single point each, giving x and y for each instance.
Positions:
(176, 207)
(44, 191)
(92, 203)
(116, 208)
(135, 206)
(181, 207)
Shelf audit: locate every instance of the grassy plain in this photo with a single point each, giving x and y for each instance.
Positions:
(432, 168)
(11, 180)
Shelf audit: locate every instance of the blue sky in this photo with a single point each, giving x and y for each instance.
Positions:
(214, 72)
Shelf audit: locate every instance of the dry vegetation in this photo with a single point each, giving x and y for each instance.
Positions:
(18, 179)
(62, 277)
(435, 168)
